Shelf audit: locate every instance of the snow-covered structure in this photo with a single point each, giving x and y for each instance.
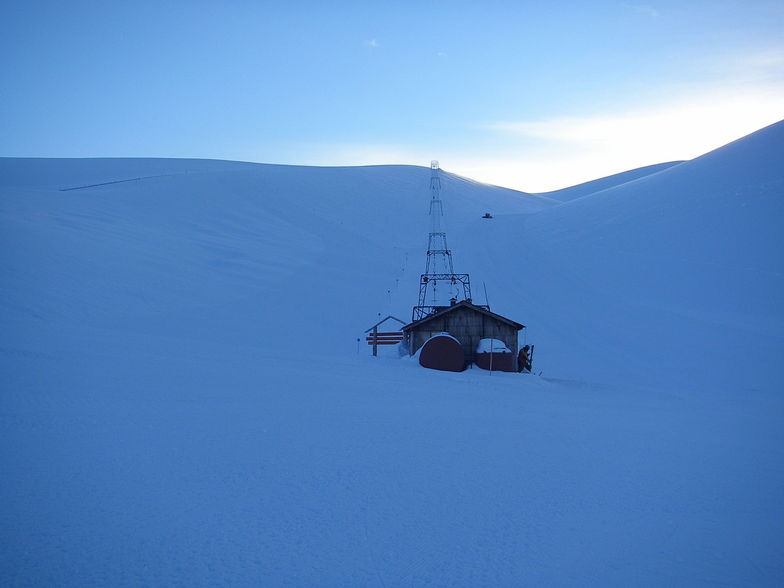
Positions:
(494, 355)
(469, 324)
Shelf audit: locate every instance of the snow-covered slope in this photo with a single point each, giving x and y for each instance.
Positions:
(580, 190)
(673, 277)
(183, 401)
(179, 246)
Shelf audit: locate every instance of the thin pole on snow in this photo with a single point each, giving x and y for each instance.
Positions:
(492, 339)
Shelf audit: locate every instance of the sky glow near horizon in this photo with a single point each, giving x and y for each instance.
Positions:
(510, 93)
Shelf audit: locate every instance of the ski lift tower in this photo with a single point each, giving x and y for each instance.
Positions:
(439, 287)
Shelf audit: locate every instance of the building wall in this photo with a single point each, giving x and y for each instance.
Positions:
(468, 327)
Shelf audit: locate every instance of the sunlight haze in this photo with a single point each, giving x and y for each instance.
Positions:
(529, 96)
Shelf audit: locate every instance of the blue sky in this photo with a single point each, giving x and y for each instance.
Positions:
(529, 95)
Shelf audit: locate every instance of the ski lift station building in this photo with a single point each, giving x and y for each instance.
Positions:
(468, 323)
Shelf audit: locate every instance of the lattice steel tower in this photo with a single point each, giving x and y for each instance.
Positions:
(438, 270)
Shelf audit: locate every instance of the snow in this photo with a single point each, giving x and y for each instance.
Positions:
(445, 334)
(674, 277)
(183, 400)
(492, 345)
(586, 188)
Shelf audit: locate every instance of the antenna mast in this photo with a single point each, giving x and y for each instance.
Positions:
(438, 268)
